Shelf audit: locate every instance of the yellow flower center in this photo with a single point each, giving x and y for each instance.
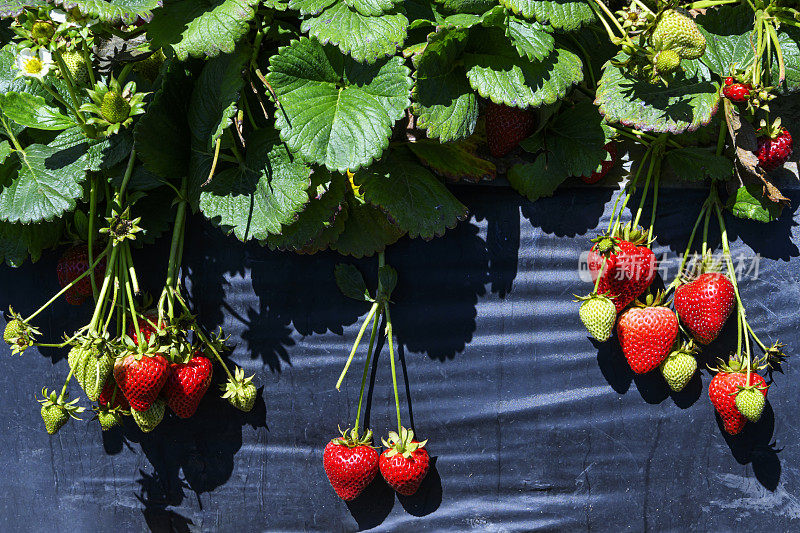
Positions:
(33, 65)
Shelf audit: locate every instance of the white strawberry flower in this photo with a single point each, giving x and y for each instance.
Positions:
(34, 65)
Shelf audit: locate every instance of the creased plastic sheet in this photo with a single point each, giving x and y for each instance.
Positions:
(532, 426)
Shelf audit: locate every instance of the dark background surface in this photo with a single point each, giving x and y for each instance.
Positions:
(532, 425)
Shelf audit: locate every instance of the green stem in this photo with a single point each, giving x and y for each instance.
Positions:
(70, 86)
(17, 146)
(128, 173)
(69, 377)
(90, 237)
(394, 371)
(372, 336)
(629, 188)
(112, 307)
(203, 338)
(361, 331)
(67, 287)
(131, 302)
(653, 164)
(88, 59)
(685, 258)
(655, 202)
(124, 74)
(705, 234)
(104, 289)
(131, 270)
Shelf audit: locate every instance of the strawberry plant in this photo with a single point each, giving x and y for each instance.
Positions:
(311, 125)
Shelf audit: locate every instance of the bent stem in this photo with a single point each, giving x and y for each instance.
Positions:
(67, 287)
(375, 322)
(743, 326)
(361, 331)
(394, 371)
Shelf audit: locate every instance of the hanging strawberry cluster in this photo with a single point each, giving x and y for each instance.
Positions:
(652, 335)
(350, 461)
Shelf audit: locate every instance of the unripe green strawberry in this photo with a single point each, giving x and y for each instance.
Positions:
(750, 402)
(667, 61)
(148, 420)
(678, 32)
(678, 369)
(14, 330)
(240, 391)
(91, 368)
(54, 416)
(115, 108)
(598, 314)
(108, 419)
(77, 66)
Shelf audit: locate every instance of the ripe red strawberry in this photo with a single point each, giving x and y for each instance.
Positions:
(704, 305)
(647, 334)
(506, 127)
(350, 463)
(187, 384)
(73, 263)
(605, 166)
(773, 151)
(722, 391)
(405, 462)
(629, 267)
(145, 328)
(108, 392)
(140, 378)
(737, 93)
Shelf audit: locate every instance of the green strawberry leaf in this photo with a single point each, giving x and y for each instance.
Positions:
(372, 7)
(576, 138)
(96, 154)
(728, 31)
(444, 102)
(329, 234)
(327, 193)
(211, 109)
(538, 179)
(367, 230)
(201, 27)
(453, 160)
(413, 197)
(20, 241)
(13, 8)
(167, 155)
(335, 111)
(531, 39)
(697, 164)
(496, 71)
(351, 282)
(565, 15)
(310, 7)
(365, 38)
(33, 112)
(257, 198)
(496, 16)
(113, 10)
(40, 183)
(750, 203)
(789, 37)
(685, 105)
(475, 7)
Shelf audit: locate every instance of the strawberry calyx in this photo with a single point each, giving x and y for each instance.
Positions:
(707, 265)
(659, 299)
(688, 348)
(351, 439)
(736, 364)
(402, 443)
(773, 131)
(605, 296)
(18, 334)
(53, 399)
